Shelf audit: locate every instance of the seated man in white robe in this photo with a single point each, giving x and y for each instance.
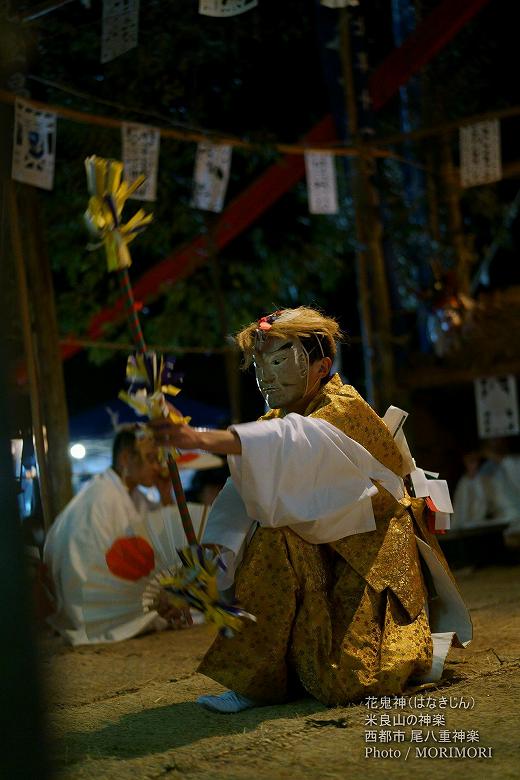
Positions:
(502, 473)
(109, 506)
(473, 499)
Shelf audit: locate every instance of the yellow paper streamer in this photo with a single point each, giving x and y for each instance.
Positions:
(196, 585)
(152, 403)
(108, 195)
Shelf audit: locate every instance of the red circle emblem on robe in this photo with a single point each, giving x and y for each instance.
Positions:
(130, 557)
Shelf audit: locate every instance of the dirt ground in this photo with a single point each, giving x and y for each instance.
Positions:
(127, 711)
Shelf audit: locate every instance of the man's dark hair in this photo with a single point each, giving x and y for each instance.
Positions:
(124, 440)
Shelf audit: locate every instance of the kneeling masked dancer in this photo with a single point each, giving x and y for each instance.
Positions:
(351, 592)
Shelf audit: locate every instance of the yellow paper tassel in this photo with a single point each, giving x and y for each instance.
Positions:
(196, 586)
(109, 194)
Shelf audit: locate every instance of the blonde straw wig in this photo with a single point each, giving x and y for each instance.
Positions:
(289, 324)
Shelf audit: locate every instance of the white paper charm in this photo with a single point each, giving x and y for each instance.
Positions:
(420, 483)
(440, 495)
(225, 7)
(34, 145)
(437, 490)
(210, 180)
(339, 3)
(120, 28)
(321, 183)
(480, 155)
(141, 156)
(442, 521)
(497, 406)
(394, 420)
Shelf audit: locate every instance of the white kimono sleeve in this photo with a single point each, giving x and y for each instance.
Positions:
(304, 473)
(230, 526)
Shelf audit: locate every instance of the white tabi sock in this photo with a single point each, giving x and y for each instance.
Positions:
(228, 702)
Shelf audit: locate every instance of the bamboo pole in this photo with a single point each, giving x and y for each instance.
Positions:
(123, 346)
(333, 147)
(197, 136)
(138, 336)
(42, 9)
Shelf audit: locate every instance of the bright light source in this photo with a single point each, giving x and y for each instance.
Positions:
(78, 451)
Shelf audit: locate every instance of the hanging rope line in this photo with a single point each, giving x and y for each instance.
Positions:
(334, 148)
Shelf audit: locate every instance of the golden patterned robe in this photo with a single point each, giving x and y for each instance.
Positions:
(342, 620)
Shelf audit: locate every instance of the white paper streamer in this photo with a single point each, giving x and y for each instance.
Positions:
(420, 483)
(321, 183)
(34, 145)
(339, 3)
(440, 495)
(141, 156)
(438, 491)
(480, 155)
(497, 406)
(120, 28)
(225, 7)
(394, 420)
(212, 167)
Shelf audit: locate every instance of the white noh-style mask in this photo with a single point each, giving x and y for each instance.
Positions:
(282, 370)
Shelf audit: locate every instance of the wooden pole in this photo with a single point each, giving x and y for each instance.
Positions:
(48, 353)
(231, 358)
(364, 308)
(30, 356)
(24, 753)
(374, 299)
(482, 273)
(463, 254)
(432, 196)
(23, 734)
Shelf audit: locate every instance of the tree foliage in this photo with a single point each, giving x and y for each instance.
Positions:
(258, 76)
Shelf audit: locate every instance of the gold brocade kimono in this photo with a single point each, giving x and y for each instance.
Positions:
(342, 620)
